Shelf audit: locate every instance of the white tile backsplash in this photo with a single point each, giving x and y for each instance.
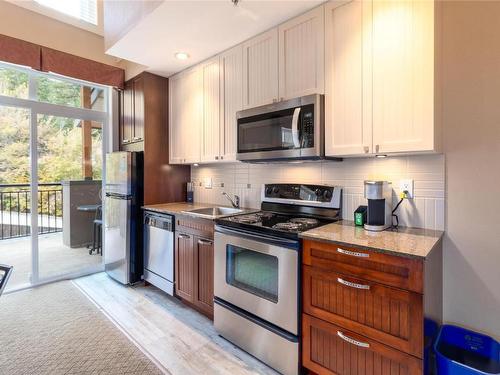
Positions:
(426, 210)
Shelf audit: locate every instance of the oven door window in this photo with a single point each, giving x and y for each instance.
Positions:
(253, 272)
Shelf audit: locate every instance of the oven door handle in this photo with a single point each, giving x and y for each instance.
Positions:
(295, 127)
(283, 242)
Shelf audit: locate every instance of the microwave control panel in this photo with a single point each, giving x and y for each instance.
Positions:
(307, 122)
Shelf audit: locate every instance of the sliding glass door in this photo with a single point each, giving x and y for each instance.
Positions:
(15, 210)
(54, 129)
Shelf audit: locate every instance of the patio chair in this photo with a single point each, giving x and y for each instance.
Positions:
(97, 232)
(5, 272)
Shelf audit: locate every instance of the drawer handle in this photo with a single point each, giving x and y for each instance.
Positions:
(352, 341)
(353, 253)
(183, 236)
(204, 242)
(353, 285)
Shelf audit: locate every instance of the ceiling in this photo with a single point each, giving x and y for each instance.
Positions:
(200, 28)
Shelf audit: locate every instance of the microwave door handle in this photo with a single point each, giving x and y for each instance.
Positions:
(295, 127)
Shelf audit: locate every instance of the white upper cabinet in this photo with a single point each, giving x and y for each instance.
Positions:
(193, 108)
(175, 119)
(403, 76)
(302, 55)
(186, 116)
(260, 69)
(348, 127)
(231, 100)
(211, 107)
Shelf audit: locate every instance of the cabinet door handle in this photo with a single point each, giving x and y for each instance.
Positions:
(185, 236)
(376, 148)
(353, 253)
(216, 158)
(366, 149)
(352, 341)
(222, 157)
(353, 285)
(205, 242)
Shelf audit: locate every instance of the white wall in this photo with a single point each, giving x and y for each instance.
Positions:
(36, 28)
(471, 117)
(425, 211)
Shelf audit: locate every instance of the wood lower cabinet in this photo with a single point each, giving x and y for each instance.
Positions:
(331, 349)
(184, 266)
(387, 314)
(363, 311)
(194, 263)
(204, 274)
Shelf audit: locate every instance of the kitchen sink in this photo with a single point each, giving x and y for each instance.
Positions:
(214, 212)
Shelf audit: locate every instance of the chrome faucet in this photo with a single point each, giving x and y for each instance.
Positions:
(235, 203)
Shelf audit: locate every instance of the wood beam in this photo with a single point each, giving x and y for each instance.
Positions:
(86, 136)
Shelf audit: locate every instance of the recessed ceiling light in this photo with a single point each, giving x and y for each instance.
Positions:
(380, 156)
(182, 55)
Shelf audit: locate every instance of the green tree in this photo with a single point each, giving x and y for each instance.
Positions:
(59, 139)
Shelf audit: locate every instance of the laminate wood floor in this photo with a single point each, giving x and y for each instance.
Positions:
(177, 337)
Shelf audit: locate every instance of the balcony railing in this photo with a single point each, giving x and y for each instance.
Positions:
(15, 209)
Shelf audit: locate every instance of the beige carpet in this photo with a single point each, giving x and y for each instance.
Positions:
(54, 329)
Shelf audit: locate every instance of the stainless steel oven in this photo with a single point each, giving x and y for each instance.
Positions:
(291, 129)
(256, 295)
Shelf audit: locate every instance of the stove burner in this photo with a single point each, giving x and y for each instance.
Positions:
(251, 218)
(246, 219)
(287, 226)
(304, 221)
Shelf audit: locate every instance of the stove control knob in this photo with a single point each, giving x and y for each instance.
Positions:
(276, 190)
(269, 191)
(327, 194)
(319, 192)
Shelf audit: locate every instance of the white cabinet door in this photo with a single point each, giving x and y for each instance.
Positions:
(211, 106)
(175, 119)
(231, 85)
(192, 119)
(260, 69)
(348, 127)
(302, 55)
(403, 76)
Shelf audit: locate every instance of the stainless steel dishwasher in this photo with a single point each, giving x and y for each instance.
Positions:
(159, 251)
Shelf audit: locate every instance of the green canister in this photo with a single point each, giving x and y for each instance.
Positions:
(360, 216)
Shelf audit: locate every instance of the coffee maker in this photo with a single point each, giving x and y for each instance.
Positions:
(379, 196)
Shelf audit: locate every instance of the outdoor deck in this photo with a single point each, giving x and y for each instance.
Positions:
(55, 258)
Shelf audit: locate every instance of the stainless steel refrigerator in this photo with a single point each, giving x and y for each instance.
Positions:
(123, 252)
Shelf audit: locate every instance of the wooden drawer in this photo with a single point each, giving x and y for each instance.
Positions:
(199, 227)
(389, 315)
(400, 272)
(324, 351)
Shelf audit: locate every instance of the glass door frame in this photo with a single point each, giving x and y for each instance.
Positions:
(40, 108)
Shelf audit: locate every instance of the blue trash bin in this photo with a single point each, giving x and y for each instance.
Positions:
(431, 329)
(463, 352)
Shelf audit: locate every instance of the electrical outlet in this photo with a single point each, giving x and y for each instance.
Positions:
(408, 186)
(207, 182)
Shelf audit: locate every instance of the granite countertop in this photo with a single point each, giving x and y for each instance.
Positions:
(408, 242)
(182, 207)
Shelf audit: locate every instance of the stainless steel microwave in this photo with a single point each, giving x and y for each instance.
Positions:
(288, 130)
